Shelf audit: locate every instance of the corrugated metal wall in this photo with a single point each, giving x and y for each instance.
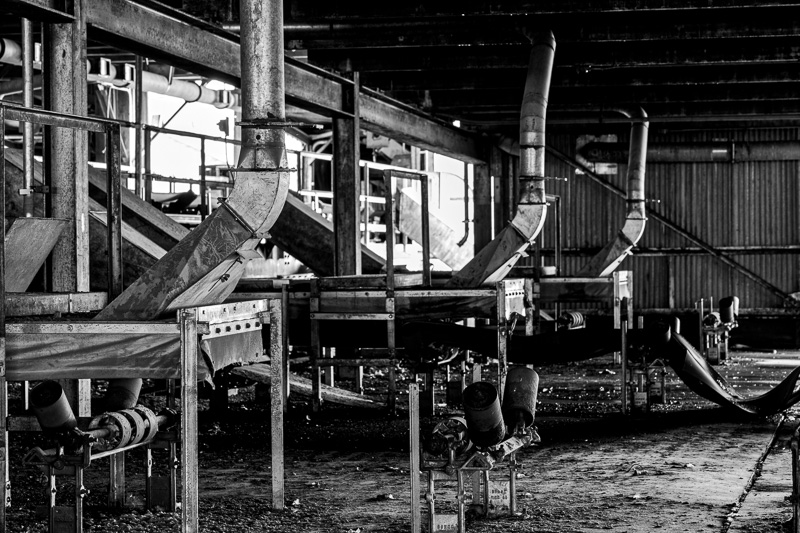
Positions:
(725, 204)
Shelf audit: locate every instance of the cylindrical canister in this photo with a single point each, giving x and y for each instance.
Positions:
(728, 309)
(676, 325)
(483, 414)
(519, 397)
(51, 407)
(122, 394)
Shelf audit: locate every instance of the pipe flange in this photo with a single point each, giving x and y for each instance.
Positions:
(122, 433)
(152, 421)
(138, 425)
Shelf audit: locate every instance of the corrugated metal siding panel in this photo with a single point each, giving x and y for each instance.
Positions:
(724, 204)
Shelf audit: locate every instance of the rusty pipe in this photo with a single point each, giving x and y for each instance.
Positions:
(610, 257)
(495, 260)
(263, 154)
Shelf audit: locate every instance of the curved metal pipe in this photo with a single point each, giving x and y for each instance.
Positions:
(185, 90)
(610, 257)
(495, 260)
(10, 52)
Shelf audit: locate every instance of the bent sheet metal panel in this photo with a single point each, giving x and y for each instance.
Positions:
(706, 382)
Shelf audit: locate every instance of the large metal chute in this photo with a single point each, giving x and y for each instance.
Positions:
(494, 261)
(610, 257)
(204, 267)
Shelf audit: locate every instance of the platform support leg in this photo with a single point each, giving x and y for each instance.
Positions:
(276, 402)
(189, 465)
(413, 415)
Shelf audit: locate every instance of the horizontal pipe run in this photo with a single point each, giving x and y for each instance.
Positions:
(665, 252)
(696, 152)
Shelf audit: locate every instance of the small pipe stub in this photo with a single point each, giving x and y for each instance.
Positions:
(483, 414)
(52, 410)
(519, 397)
(728, 309)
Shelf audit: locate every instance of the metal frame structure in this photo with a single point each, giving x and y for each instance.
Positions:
(618, 288)
(192, 325)
(111, 130)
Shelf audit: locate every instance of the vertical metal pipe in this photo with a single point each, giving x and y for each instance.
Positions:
(27, 132)
(558, 235)
(113, 212)
(262, 81)
(203, 185)
(624, 358)
(139, 119)
(148, 181)
(413, 422)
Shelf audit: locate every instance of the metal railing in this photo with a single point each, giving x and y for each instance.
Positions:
(111, 130)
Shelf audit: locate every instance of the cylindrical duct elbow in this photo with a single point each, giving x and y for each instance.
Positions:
(10, 52)
(637, 158)
(122, 393)
(534, 107)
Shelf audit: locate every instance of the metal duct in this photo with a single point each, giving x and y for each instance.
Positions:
(185, 90)
(610, 257)
(495, 260)
(205, 266)
(10, 52)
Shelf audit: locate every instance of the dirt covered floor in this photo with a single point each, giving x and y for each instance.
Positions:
(686, 466)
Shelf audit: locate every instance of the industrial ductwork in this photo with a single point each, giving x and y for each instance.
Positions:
(10, 52)
(610, 257)
(495, 260)
(155, 83)
(204, 267)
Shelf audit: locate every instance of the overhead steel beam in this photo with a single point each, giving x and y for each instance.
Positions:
(571, 78)
(39, 10)
(443, 100)
(598, 55)
(686, 10)
(155, 34)
(585, 26)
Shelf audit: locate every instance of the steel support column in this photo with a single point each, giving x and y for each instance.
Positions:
(67, 169)
(482, 199)
(347, 186)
